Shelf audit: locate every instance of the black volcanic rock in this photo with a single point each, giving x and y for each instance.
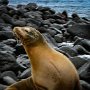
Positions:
(6, 61)
(8, 80)
(6, 49)
(78, 61)
(65, 15)
(10, 74)
(84, 72)
(85, 85)
(76, 18)
(3, 9)
(83, 42)
(82, 31)
(59, 38)
(25, 74)
(7, 18)
(81, 50)
(4, 26)
(34, 21)
(6, 35)
(5, 2)
(9, 42)
(19, 49)
(19, 23)
(1, 20)
(31, 6)
(69, 50)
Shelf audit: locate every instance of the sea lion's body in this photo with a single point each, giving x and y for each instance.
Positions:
(51, 70)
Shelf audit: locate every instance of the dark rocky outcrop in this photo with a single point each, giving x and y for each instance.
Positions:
(80, 30)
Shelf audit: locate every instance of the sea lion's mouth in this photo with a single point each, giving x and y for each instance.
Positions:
(19, 32)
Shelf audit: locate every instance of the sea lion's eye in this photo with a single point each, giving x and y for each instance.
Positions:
(26, 31)
(31, 33)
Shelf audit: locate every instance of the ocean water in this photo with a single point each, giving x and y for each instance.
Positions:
(81, 7)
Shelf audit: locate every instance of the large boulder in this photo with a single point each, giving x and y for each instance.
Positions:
(8, 80)
(84, 72)
(19, 23)
(8, 77)
(4, 26)
(82, 31)
(85, 85)
(6, 35)
(10, 74)
(9, 42)
(31, 6)
(58, 38)
(7, 49)
(83, 42)
(8, 62)
(78, 61)
(7, 18)
(81, 50)
(3, 9)
(69, 50)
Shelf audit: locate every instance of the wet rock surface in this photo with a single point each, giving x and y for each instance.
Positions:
(68, 35)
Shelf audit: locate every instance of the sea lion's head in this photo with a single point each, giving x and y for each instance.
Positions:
(29, 36)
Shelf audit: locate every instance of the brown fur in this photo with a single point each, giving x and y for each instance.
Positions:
(51, 70)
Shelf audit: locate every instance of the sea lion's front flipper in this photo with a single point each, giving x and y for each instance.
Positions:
(26, 84)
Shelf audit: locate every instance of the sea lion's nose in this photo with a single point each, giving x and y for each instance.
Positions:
(16, 28)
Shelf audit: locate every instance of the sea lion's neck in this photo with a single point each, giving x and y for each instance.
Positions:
(37, 54)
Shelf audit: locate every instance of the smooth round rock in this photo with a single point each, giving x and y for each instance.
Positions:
(58, 38)
(81, 50)
(69, 50)
(82, 31)
(7, 49)
(83, 42)
(77, 61)
(8, 80)
(10, 74)
(84, 72)
(6, 35)
(85, 85)
(7, 61)
(25, 74)
(10, 42)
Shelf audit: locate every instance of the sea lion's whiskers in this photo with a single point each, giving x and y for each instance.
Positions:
(17, 39)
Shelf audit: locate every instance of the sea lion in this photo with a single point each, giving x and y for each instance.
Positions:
(51, 70)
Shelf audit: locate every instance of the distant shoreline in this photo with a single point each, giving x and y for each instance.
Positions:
(80, 7)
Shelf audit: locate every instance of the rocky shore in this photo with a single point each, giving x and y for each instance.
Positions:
(69, 35)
